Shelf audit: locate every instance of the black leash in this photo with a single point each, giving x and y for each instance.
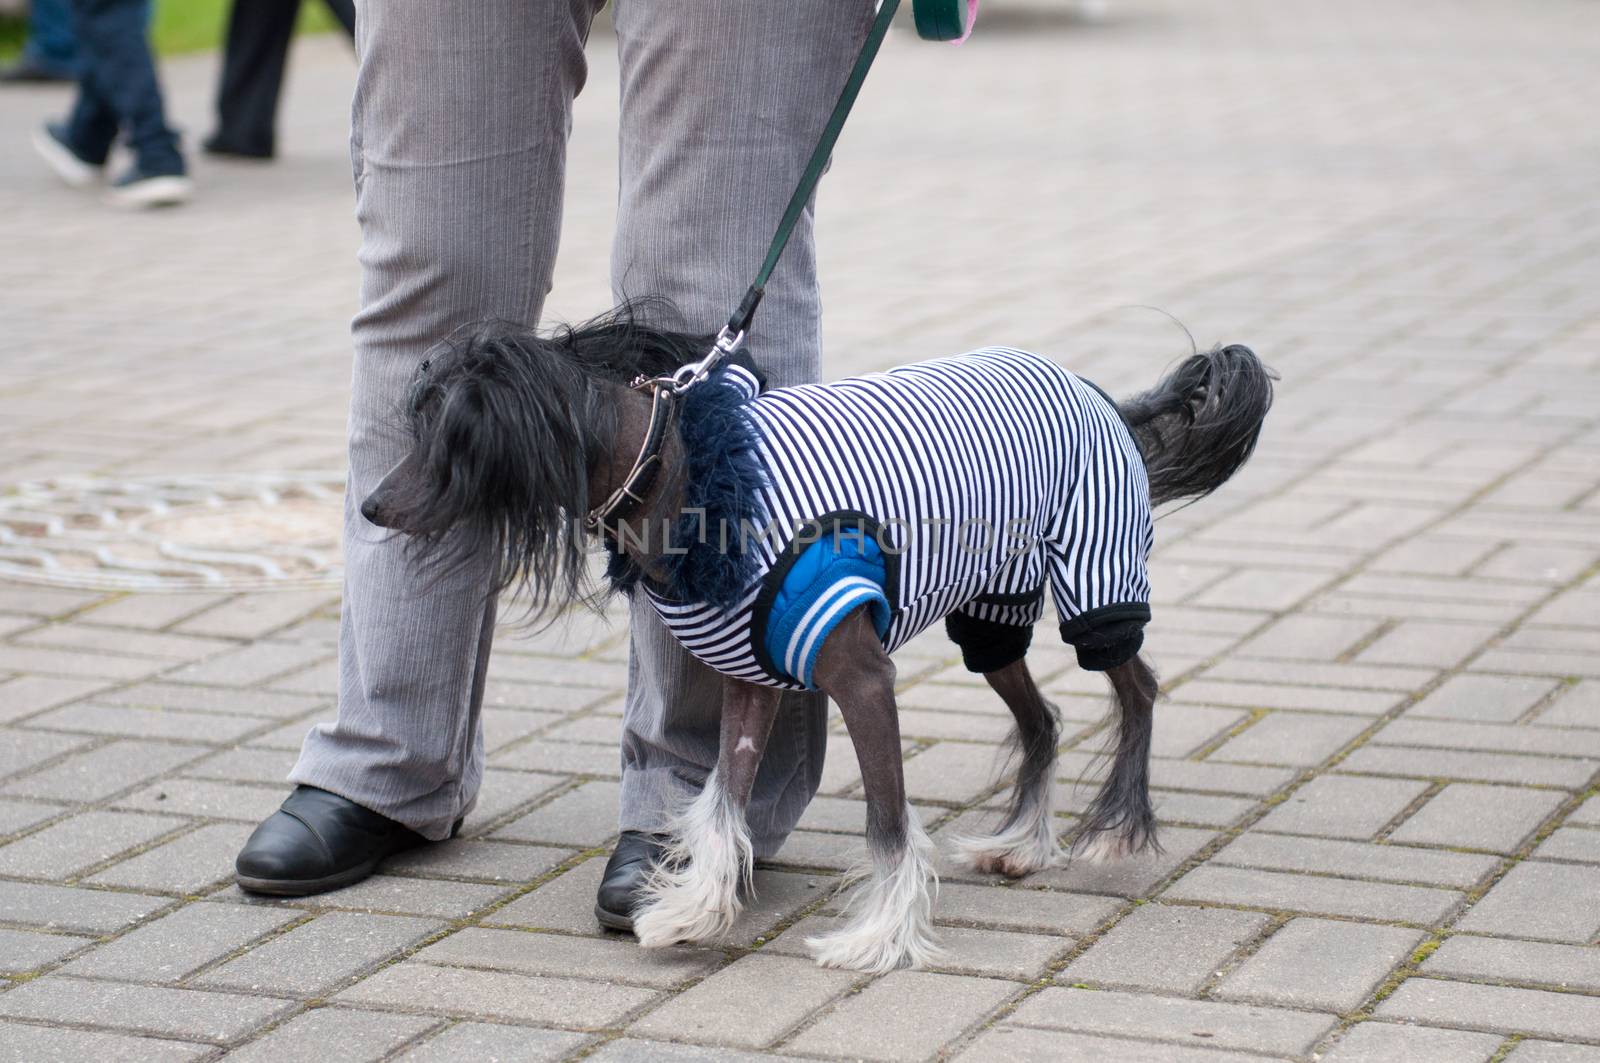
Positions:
(733, 333)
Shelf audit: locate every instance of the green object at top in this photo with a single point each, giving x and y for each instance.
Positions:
(940, 20)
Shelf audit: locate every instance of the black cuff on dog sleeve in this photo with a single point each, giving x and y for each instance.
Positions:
(987, 645)
(1108, 636)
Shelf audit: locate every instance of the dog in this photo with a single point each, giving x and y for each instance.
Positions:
(793, 538)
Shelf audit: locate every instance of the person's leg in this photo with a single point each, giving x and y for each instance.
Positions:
(51, 43)
(458, 138)
(252, 74)
(118, 76)
(721, 105)
(345, 12)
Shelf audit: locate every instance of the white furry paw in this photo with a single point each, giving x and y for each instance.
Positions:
(1016, 861)
(679, 907)
(1105, 846)
(861, 946)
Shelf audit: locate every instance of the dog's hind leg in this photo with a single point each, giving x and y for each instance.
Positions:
(1025, 841)
(1120, 820)
(693, 894)
(889, 921)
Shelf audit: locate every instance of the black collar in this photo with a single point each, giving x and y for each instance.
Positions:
(624, 503)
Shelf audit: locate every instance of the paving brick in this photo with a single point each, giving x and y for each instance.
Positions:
(1021, 909)
(557, 955)
(1428, 643)
(1342, 806)
(1175, 948)
(1536, 963)
(81, 841)
(1552, 1052)
(22, 951)
(29, 694)
(1190, 1022)
(1320, 963)
(151, 611)
(1497, 818)
(187, 864)
(501, 995)
(77, 664)
(1333, 675)
(751, 1003)
(583, 817)
(546, 756)
(174, 946)
(1483, 698)
(905, 1015)
(1014, 1044)
(495, 861)
(1498, 1008)
(184, 1013)
(65, 908)
(103, 771)
(163, 695)
(253, 615)
(334, 1035)
(633, 1050)
(391, 894)
(1576, 706)
(90, 718)
(1520, 769)
(1294, 738)
(46, 1044)
(213, 800)
(1491, 738)
(1276, 891)
(952, 772)
(1135, 876)
(1571, 843)
(1326, 856)
(1316, 638)
(315, 957)
(1218, 778)
(251, 664)
(20, 815)
(1535, 900)
(1382, 1042)
(93, 639)
(22, 749)
(1285, 696)
(502, 1044)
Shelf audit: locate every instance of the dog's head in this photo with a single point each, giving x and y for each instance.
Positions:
(504, 428)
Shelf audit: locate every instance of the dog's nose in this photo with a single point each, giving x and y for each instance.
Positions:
(373, 511)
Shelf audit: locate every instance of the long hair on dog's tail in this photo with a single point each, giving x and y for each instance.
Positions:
(1200, 423)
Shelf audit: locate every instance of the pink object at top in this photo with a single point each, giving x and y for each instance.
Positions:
(972, 18)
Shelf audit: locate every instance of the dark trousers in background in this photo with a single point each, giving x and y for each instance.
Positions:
(117, 87)
(259, 32)
(50, 41)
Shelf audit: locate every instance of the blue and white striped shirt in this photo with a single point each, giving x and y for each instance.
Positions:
(983, 477)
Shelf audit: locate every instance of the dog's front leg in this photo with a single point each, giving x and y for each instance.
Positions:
(693, 894)
(889, 922)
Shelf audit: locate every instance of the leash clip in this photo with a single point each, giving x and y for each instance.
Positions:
(687, 376)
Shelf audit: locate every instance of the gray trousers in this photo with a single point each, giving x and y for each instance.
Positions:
(458, 139)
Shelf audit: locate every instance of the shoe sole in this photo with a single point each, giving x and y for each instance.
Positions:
(67, 166)
(152, 192)
(613, 921)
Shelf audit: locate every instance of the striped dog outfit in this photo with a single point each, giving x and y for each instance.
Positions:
(953, 489)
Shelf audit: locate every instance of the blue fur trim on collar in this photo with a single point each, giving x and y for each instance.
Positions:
(725, 478)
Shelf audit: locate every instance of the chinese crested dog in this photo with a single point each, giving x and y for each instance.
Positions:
(793, 538)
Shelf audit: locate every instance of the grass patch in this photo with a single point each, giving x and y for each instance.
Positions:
(180, 26)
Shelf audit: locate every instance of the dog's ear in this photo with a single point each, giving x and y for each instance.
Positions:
(401, 482)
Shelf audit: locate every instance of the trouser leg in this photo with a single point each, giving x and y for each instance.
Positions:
(458, 138)
(259, 32)
(721, 105)
(51, 41)
(118, 79)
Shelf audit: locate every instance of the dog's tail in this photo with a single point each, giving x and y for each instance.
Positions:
(1200, 423)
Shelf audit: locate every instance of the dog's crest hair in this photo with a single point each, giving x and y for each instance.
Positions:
(1200, 423)
(725, 475)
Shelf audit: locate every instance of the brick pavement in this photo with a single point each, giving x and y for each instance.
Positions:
(1378, 759)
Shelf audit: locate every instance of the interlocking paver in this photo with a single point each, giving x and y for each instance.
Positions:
(1320, 963)
(1194, 1022)
(1497, 818)
(315, 957)
(171, 947)
(1403, 578)
(905, 1015)
(1171, 947)
(1382, 1042)
(751, 1003)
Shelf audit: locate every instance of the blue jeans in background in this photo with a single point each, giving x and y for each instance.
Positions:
(50, 42)
(117, 88)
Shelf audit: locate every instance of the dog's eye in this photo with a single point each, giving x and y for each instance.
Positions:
(423, 368)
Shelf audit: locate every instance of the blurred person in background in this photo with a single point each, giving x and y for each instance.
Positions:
(117, 94)
(259, 32)
(51, 52)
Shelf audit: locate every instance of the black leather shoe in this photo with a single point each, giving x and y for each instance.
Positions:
(636, 853)
(228, 148)
(318, 841)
